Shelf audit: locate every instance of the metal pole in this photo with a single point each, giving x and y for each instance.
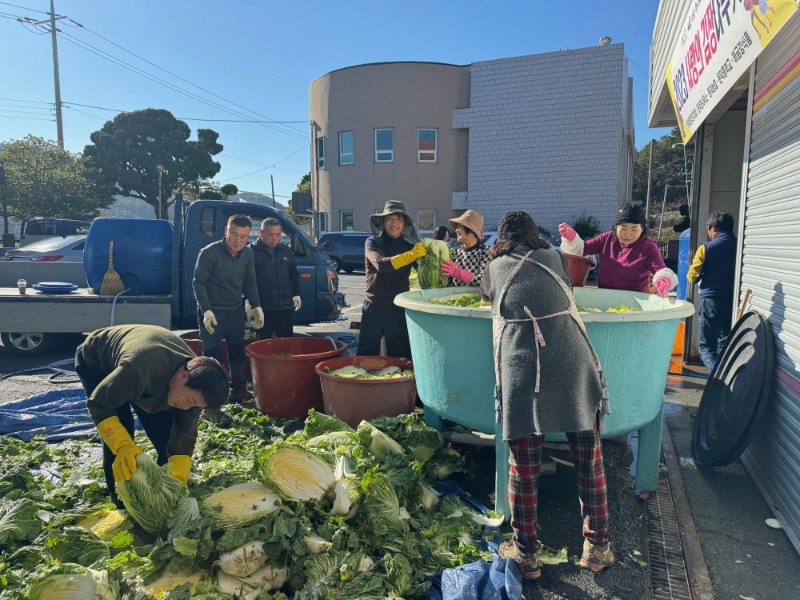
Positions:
(160, 170)
(663, 207)
(649, 182)
(272, 182)
(56, 80)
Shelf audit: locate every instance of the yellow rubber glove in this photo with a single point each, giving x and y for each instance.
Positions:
(406, 258)
(122, 445)
(209, 320)
(258, 317)
(181, 464)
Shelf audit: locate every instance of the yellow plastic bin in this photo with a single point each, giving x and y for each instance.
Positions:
(356, 400)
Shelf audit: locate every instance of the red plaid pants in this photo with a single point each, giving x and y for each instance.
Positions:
(524, 466)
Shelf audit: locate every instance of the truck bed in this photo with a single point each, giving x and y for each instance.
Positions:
(78, 311)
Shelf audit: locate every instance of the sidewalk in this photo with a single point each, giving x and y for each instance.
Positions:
(730, 552)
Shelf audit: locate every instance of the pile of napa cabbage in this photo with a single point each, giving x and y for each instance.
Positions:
(327, 511)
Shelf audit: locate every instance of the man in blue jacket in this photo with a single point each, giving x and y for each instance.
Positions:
(278, 281)
(714, 265)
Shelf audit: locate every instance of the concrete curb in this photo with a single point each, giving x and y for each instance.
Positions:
(696, 569)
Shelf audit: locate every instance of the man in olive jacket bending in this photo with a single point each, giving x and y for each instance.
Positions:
(151, 370)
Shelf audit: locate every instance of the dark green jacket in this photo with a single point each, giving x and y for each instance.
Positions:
(220, 278)
(139, 361)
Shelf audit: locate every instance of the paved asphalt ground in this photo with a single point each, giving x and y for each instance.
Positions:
(730, 552)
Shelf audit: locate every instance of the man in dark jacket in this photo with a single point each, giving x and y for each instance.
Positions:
(224, 272)
(714, 265)
(389, 256)
(278, 281)
(152, 371)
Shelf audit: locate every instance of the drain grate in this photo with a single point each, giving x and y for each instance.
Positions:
(668, 575)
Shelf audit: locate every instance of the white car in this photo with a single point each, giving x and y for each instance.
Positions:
(55, 249)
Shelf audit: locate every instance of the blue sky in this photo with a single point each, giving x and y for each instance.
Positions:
(254, 60)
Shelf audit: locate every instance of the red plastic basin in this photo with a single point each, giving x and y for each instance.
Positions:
(579, 268)
(354, 400)
(192, 339)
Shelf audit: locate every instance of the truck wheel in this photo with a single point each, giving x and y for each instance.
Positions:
(337, 264)
(28, 344)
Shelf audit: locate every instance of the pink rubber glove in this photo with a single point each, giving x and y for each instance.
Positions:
(567, 232)
(662, 286)
(451, 269)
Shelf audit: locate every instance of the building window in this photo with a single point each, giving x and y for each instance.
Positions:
(346, 220)
(321, 153)
(426, 222)
(346, 148)
(322, 219)
(426, 145)
(384, 145)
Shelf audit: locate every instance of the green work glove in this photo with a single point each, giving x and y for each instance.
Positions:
(122, 445)
(181, 464)
(406, 258)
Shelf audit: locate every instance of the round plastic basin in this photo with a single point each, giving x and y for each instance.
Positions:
(192, 339)
(356, 400)
(579, 268)
(284, 382)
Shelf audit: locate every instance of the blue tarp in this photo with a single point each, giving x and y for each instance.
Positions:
(58, 415)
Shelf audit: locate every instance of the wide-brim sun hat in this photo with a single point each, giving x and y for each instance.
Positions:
(472, 220)
(391, 207)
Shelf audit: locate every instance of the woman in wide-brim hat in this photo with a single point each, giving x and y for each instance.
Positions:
(470, 256)
(628, 259)
(389, 255)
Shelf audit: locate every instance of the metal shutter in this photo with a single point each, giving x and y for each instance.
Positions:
(771, 267)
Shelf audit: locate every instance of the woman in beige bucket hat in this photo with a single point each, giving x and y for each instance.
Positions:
(471, 256)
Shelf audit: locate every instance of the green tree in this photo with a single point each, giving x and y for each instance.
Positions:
(303, 186)
(126, 153)
(670, 168)
(44, 180)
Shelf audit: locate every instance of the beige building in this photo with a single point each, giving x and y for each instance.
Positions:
(548, 133)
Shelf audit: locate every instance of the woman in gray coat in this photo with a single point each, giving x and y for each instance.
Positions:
(548, 380)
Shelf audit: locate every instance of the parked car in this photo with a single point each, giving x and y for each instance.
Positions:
(347, 252)
(63, 249)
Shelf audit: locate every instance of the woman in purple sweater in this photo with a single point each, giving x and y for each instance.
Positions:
(629, 260)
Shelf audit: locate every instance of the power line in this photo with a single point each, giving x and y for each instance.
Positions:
(199, 58)
(25, 118)
(187, 81)
(25, 8)
(31, 101)
(303, 147)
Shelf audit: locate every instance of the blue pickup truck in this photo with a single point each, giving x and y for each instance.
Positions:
(32, 323)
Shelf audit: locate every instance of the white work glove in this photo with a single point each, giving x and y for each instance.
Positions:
(209, 320)
(258, 317)
(297, 302)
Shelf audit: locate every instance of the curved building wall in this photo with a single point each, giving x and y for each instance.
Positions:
(405, 97)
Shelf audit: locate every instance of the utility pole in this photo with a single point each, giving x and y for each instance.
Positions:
(649, 182)
(56, 79)
(273, 190)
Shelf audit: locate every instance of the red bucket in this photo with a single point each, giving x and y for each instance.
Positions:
(356, 400)
(192, 339)
(284, 381)
(579, 268)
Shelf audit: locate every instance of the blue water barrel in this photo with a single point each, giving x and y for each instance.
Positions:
(683, 264)
(142, 254)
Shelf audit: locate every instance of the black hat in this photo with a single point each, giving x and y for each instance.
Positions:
(630, 213)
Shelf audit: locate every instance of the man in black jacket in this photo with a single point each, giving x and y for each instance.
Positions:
(278, 281)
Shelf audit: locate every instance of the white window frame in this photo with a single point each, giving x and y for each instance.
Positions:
(390, 152)
(426, 232)
(346, 158)
(322, 220)
(320, 152)
(435, 151)
(342, 214)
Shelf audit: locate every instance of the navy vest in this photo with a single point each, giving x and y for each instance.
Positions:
(719, 267)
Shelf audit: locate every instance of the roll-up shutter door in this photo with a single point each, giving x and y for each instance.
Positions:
(771, 266)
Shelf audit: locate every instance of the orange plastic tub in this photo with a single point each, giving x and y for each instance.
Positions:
(356, 400)
(284, 381)
(579, 268)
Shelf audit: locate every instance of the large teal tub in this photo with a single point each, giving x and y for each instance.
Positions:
(454, 368)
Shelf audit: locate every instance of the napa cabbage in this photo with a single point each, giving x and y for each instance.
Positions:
(18, 520)
(245, 560)
(106, 522)
(77, 545)
(73, 582)
(241, 504)
(429, 267)
(381, 444)
(294, 472)
(151, 495)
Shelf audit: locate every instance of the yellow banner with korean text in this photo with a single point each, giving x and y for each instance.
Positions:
(718, 42)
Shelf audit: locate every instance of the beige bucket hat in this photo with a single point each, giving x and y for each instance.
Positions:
(472, 220)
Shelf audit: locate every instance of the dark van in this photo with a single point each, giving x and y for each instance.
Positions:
(347, 252)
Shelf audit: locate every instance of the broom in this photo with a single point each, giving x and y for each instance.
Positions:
(112, 283)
